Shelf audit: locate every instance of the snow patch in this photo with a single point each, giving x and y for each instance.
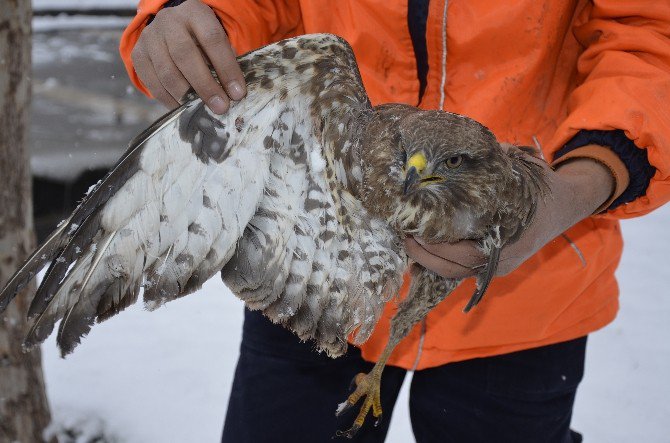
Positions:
(73, 228)
(92, 187)
(77, 427)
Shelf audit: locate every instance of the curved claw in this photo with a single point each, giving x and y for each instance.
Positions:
(484, 279)
(349, 433)
(378, 417)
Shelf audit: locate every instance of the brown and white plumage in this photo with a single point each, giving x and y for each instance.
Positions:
(300, 194)
(260, 192)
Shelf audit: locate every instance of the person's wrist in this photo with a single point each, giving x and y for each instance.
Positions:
(589, 183)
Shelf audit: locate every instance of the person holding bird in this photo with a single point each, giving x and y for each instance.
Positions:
(582, 83)
(585, 83)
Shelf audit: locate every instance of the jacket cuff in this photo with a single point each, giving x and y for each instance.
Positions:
(606, 157)
(633, 159)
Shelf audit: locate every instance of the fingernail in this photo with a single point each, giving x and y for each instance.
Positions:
(217, 105)
(235, 90)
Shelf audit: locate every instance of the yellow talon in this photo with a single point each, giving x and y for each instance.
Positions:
(367, 385)
(377, 408)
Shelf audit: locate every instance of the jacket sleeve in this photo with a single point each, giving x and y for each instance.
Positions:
(623, 77)
(249, 25)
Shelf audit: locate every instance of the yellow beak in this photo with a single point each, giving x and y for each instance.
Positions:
(416, 164)
(414, 173)
(417, 161)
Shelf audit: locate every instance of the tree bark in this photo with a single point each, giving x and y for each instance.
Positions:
(24, 411)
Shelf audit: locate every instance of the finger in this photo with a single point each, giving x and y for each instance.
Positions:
(215, 44)
(464, 252)
(167, 72)
(145, 71)
(188, 58)
(436, 264)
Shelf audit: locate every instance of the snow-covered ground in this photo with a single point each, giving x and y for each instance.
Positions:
(165, 376)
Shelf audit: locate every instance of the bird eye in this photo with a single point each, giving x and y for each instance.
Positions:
(455, 161)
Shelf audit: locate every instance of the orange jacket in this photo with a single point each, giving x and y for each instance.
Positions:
(525, 69)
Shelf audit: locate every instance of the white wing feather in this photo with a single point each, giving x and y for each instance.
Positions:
(248, 192)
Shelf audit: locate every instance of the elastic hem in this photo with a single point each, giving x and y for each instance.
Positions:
(640, 171)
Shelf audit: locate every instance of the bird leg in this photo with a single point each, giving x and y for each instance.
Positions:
(426, 291)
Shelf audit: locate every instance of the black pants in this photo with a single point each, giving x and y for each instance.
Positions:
(286, 392)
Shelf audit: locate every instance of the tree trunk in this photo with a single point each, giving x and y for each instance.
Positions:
(24, 411)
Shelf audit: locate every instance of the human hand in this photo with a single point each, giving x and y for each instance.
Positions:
(575, 190)
(174, 52)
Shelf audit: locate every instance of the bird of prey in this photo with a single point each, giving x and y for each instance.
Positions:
(300, 195)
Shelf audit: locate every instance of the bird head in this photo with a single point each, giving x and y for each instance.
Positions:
(445, 152)
(445, 173)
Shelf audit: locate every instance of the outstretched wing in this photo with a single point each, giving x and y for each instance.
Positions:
(259, 190)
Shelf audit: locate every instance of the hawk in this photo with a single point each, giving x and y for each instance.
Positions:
(300, 195)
